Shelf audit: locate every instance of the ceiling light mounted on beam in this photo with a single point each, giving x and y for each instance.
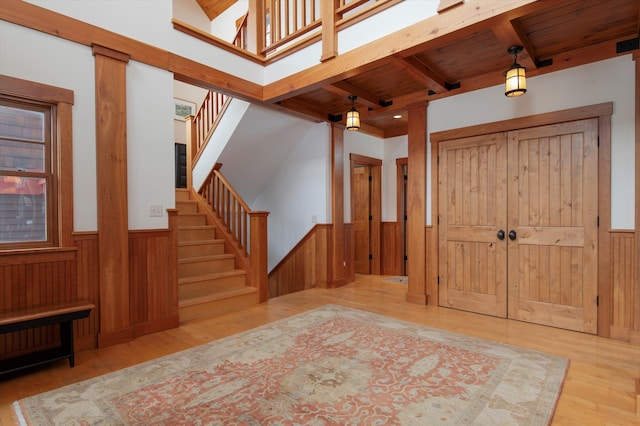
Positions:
(515, 78)
(353, 116)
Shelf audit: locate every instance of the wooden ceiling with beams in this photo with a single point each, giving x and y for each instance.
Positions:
(555, 34)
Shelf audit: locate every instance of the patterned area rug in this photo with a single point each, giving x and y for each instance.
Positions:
(328, 366)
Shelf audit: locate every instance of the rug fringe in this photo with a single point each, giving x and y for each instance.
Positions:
(17, 413)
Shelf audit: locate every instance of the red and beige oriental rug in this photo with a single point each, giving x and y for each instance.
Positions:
(328, 366)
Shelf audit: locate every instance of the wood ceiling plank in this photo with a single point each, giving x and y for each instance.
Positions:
(510, 36)
(421, 73)
(345, 89)
(214, 8)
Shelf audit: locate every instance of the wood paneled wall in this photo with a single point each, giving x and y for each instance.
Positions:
(623, 285)
(307, 264)
(52, 276)
(35, 278)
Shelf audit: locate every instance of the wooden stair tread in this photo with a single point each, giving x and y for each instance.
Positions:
(200, 242)
(216, 296)
(205, 258)
(213, 275)
(190, 227)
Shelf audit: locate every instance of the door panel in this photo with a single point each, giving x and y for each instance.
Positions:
(553, 175)
(472, 203)
(360, 218)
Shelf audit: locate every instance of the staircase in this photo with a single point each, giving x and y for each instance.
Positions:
(208, 283)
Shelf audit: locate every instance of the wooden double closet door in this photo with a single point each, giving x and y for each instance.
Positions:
(518, 231)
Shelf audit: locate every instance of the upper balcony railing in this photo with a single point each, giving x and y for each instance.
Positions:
(273, 29)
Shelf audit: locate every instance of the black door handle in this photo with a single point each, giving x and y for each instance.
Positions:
(512, 235)
(501, 235)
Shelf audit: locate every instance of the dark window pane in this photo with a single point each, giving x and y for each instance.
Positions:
(21, 156)
(21, 124)
(23, 210)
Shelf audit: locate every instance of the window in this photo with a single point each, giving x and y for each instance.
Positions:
(36, 165)
(27, 174)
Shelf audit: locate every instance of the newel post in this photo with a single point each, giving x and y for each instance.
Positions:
(192, 147)
(259, 254)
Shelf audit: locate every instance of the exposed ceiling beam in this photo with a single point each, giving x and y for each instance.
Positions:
(401, 103)
(343, 88)
(509, 36)
(420, 73)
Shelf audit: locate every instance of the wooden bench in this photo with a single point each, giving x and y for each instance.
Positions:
(63, 314)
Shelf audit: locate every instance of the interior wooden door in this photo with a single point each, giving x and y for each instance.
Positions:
(472, 211)
(360, 217)
(553, 209)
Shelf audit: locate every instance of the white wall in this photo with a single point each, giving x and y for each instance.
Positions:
(150, 22)
(224, 26)
(191, 13)
(612, 80)
(298, 195)
(37, 57)
(223, 132)
(149, 122)
(394, 148)
(150, 145)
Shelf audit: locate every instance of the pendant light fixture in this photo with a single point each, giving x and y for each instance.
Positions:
(515, 78)
(353, 116)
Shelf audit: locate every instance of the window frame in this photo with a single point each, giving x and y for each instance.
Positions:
(59, 162)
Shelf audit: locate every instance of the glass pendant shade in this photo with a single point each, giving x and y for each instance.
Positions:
(353, 119)
(515, 81)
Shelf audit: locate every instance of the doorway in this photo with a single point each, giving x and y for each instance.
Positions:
(402, 172)
(518, 231)
(366, 212)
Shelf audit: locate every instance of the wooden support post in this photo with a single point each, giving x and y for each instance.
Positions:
(337, 258)
(255, 27)
(113, 226)
(259, 255)
(416, 204)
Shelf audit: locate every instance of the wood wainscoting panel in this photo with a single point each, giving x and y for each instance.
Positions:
(305, 266)
(152, 282)
(35, 278)
(623, 291)
(87, 329)
(390, 252)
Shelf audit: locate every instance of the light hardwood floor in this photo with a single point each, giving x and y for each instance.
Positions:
(599, 388)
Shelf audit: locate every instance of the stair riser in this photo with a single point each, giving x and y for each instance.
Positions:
(187, 206)
(192, 220)
(196, 234)
(217, 308)
(193, 269)
(203, 288)
(185, 252)
(182, 195)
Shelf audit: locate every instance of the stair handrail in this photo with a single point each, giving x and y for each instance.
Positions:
(227, 204)
(206, 120)
(240, 39)
(247, 228)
